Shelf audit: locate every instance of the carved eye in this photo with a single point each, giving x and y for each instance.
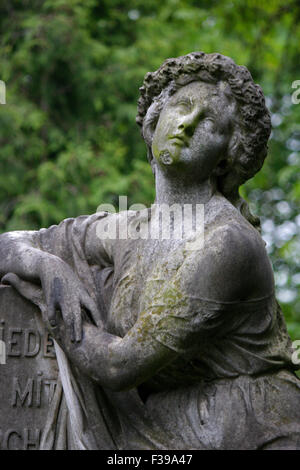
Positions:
(184, 103)
(208, 119)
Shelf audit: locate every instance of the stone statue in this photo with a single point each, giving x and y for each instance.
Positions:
(167, 343)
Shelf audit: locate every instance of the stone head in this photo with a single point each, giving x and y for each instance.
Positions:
(180, 96)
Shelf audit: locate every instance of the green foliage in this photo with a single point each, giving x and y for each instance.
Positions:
(72, 69)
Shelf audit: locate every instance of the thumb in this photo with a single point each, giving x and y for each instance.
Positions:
(26, 289)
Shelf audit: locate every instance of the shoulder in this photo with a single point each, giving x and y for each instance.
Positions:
(234, 263)
(235, 238)
(108, 233)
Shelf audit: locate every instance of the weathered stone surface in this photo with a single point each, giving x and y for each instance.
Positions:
(164, 343)
(28, 378)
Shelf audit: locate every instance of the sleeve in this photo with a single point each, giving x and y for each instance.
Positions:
(69, 237)
(182, 324)
(68, 241)
(182, 320)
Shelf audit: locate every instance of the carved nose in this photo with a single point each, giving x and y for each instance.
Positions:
(189, 122)
(187, 126)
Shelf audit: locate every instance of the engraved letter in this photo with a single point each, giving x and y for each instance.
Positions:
(31, 442)
(7, 437)
(27, 393)
(31, 334)
(12, 342)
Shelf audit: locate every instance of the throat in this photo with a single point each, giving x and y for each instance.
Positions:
(174, 190)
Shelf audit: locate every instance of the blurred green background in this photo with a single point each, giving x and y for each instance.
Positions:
(68, 136)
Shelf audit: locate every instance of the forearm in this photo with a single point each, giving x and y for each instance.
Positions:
(19, 254)
(116, 363)
(91, 355)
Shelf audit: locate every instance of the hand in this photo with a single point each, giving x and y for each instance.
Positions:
(62, 294)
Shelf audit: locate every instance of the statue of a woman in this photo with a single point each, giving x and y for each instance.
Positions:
(164, 346)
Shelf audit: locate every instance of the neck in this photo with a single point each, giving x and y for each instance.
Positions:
(176, 190)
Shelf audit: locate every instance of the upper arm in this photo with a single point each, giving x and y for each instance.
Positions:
(138, 356)
(100, 239)
(74, 237)
(121, 363)
(234, 266)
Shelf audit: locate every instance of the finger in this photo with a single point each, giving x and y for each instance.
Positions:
(91, 306)
(77, 324)
(70, 312)
(51, 313)
(55, 301)
(72, 331)
(25, 288)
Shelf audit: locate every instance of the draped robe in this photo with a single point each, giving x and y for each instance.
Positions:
(232, 383)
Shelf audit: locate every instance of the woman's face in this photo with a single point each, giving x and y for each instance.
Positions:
(193, 130)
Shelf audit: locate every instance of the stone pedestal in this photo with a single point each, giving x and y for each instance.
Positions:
(28, 372)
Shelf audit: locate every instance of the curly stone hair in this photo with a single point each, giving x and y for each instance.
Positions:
(252, 124)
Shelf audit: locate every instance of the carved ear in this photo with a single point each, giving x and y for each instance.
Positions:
(225, 164)
(232, 149)
(222, 167)
(233, 145)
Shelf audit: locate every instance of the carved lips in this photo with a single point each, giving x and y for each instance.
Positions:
(179, 139)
